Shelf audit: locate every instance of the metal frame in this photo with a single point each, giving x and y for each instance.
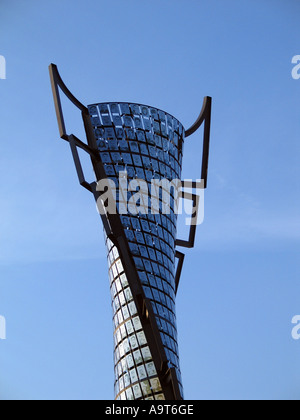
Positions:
(113, 226)
(193, 227)
(115, 233)
(204, 117)
(181, 258)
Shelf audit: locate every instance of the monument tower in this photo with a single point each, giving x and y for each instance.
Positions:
(140, 146)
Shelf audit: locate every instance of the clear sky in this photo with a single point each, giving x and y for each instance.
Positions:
(240, 285)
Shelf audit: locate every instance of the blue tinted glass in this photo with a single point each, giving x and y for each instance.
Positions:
(148, 266)
(109, 133)
(102, 145)
(99, 132)
(93, 110)
(124, 108)
(162, 167)
(127, 158)
(152, 254)
(135, 134)
(145, 111)
(131, 172)
(120, 168)
(143, 277)
(134, 147)
(120, 133)
(149, 175)
(147, 124)
(128, 121)
(141, 135)
(130, 134)
(106, 120)
(143, 251)
(152, 151)
(103, 108)
(114, 108)
(146, 162)
(148, 292)
(176, 139)
(123, 144)
(125, 221)
(109, 169)
(135, 223)
(168, 173)
(159, 257)
(112, 145)
(163, 129)
(154, 113)
(129, 234)
(156, 127)
(155, 268)
(116, 157)
(145, 226)
(139, 237)
(160, 155)
(153, 228)
(137, 160)
(95, 120)
(139, 264)
(144, 149)
(135, 109)
(155, 165)
(148, 239)
(140, 173)
(134, 249)
(150, 138)
(117, 120)
(105, 157)
(137, 122)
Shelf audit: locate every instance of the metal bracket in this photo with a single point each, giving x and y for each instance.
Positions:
(193, 226)
(73, 144)
(181, 258)
(205, 116)
(115, 231)
(113, 226)
(56, 84)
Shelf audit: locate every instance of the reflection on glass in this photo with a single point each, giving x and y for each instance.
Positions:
(156, 136)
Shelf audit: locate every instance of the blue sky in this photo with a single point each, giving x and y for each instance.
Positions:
(240, 285)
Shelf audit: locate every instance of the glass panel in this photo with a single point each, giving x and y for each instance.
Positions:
(124, 108)
(151, 369)
(137, 391)
(148, 132)
(114, 108)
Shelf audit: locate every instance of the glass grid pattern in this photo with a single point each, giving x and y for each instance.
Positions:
(148, 144)
(135, 374)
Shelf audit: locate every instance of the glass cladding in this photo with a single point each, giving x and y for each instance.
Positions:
(135, 373)
(147, 143)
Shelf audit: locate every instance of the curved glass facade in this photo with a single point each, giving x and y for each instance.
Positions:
(146, 144)
(135, 372)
